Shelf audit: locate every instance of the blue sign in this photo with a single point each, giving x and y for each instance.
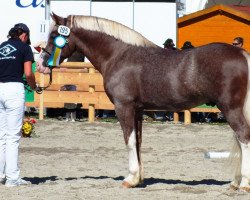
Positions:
(30, 3)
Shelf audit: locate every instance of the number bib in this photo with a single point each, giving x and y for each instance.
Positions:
(63, 30)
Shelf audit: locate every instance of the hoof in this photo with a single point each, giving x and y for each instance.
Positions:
(126, 185)
(233, 187)
(245, 189)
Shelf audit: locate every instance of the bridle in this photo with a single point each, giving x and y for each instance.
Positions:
(54, 57)
(42, 88)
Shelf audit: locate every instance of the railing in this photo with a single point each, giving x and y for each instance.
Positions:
(90, 91)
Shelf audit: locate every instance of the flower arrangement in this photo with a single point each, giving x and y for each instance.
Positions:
(28, 127)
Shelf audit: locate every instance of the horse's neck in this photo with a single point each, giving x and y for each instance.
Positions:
(98, 47)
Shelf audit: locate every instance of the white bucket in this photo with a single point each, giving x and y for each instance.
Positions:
(214, 154)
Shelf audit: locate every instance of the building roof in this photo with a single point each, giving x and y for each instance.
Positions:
(211, 3)
(242, 12)
(241, 8)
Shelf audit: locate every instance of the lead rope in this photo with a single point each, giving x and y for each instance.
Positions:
(41, 89)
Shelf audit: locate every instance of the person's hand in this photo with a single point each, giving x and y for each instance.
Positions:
(38, 89)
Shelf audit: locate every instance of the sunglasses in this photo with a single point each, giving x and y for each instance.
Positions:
(235, 44)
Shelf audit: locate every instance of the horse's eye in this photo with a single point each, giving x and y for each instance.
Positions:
(53, 36)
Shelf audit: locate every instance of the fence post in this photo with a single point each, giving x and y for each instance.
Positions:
(176, 117)
(41, 97)
(187, 117)
(91, 113)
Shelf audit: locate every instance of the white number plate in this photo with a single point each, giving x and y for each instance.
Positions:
(63, 30)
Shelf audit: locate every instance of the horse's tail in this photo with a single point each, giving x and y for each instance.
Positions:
(235, 157)
(246, 108)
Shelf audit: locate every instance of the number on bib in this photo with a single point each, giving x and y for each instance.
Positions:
(63, 30)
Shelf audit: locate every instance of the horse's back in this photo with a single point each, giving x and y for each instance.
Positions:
(188, 78)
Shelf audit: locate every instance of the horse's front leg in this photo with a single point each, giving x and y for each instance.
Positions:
(129, 123)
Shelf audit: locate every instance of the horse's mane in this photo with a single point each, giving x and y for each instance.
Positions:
(111, 28)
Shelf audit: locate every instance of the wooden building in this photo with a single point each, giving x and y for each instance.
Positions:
(219, 23)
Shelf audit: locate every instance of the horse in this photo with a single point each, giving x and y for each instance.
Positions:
(140, 75)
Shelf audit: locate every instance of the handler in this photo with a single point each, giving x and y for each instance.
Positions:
(16, 59)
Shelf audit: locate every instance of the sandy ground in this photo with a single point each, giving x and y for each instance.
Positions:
(79, 160)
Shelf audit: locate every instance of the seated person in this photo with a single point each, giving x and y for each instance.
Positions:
(71, 108)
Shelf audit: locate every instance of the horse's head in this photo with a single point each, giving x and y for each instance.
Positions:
(59, 45)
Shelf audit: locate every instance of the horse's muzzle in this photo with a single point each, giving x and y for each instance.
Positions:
(41, 66)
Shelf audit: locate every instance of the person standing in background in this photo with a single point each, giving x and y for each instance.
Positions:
(71, 108)
(238, 42)
(16, 59)
(169, 44)
(187, 45)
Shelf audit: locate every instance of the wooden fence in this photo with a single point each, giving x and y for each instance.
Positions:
(90, 91)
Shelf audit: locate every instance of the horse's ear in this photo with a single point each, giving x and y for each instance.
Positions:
(57, 19)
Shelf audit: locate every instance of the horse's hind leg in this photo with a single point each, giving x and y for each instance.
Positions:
(239, 122)
(236, 157)
(245, 167)
(131, 127)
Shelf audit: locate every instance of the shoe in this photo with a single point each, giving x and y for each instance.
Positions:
(158, 118)
(2, 180)
(18, 182)
(208, 120)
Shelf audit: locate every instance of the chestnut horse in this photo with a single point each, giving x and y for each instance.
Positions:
(140, 75)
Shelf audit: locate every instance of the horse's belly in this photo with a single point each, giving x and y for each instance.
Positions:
(173, 104)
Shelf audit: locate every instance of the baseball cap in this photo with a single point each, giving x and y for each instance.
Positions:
(25, 29)
(168, 42)
(22, 26)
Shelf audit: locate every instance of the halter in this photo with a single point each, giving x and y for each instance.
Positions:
(59, 43)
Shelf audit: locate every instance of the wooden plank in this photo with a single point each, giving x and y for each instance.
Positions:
(46, 104)
(76, 78)
(105, 106)
(214, 31)
(99, 88)
(80, 88)
(73, 65)
(69, 70)
(215, 110)
(71, 97)
(103, 99)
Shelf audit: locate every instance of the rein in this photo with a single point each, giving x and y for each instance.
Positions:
(54, 57)
(41, 89)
